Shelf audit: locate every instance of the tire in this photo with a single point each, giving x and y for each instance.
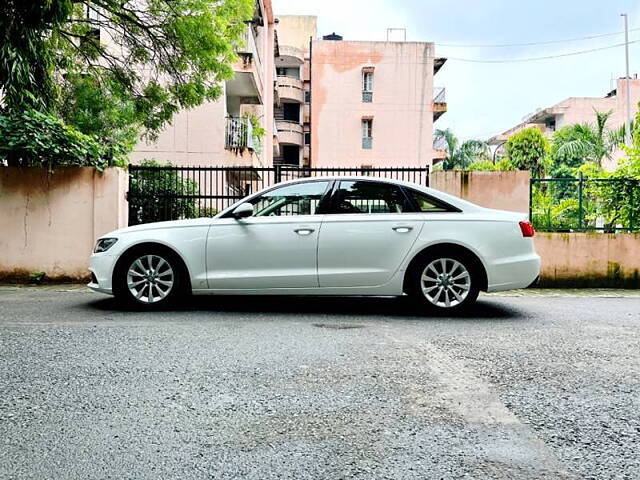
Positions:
(149, 278)
(444, 282)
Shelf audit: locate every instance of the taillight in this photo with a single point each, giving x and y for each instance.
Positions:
(527, 229)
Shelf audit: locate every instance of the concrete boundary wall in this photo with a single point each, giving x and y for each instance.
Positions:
(502, 190)
(589, 259)
(49, 220)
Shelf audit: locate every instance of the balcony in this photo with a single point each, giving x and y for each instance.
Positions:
(290, 89)
(276, 140)
(439, 103)
(247, 81)
(438, 64)
(289, 133)
(439, 148)
(289, 55)
(239, 134)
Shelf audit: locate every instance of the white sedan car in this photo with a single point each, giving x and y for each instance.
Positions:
(324, 236)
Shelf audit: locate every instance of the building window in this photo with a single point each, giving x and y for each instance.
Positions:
(367, 130)
(291, 112)
(307, 138)
(307, 96)
(293, 72)
(367, 85)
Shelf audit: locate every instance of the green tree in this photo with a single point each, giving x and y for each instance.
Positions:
(527, 150)
(575, 144)
(155, 58)
(461, 155)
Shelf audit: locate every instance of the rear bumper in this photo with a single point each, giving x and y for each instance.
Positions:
(514, 273)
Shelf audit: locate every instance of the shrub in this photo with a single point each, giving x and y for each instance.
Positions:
(502, 165)
(527, 150)
(157, 194)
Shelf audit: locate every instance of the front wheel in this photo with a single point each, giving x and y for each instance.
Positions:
(148, 279)
(445, 282)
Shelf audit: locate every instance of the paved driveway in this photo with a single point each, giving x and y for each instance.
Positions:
(528, 387)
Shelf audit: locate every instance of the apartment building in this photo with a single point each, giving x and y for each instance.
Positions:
(580, 110)
(293, 70)
(221, 133)
(322, 102)
(366, 103)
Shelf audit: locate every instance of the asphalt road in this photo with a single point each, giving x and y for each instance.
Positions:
(526, 387)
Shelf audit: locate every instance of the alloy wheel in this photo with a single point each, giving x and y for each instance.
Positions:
(445, 282)
(150, 278)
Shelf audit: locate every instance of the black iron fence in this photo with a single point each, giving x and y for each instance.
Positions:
(584, 204)
(172, 193)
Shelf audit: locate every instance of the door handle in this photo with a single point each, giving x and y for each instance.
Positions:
(402, 228)
(304, 231)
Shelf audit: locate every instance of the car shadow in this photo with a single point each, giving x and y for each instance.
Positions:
(350, 306)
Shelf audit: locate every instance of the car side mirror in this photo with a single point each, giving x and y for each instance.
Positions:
(243, 210)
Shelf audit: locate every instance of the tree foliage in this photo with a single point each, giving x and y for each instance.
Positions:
(502, 165)
(575, 144)
(40, 139)
(461, 155)
(527, 150)
(111, 68)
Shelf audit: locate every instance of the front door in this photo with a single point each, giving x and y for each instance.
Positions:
(274, 248)
(366, 234)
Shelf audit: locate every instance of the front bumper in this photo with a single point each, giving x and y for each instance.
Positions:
(101, 267)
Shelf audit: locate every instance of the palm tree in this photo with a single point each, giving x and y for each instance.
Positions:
(460, 156)
(591, 142)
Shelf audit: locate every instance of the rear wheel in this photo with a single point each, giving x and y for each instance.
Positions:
(149, 278)
(445, 282)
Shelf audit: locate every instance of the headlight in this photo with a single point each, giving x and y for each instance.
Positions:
(104, 244)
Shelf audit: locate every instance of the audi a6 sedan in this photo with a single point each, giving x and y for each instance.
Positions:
(324, 236)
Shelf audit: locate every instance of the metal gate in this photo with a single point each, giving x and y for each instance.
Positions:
(171, 193)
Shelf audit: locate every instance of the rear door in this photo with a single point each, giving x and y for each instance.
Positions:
(366, 234)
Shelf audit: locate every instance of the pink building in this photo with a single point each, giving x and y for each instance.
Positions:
(373, 103)
(581, 110)
(321, 102)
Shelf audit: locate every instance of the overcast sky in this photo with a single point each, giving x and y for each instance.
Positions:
(487, 98)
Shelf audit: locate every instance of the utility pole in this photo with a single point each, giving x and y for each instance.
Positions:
(627, 132)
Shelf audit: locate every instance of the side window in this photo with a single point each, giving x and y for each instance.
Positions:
(369, 197)
(426, 203)
(296, 199)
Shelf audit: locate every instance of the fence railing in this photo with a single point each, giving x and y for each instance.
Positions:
(584, 204)
(172, 193)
